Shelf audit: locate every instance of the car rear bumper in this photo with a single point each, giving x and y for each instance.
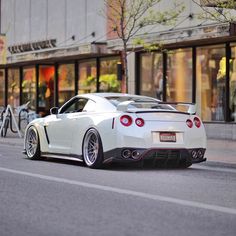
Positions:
(190, 156)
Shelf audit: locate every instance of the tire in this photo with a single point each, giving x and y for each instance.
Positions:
(32, 144)
(5, 127)
(184, 164)
(92, 149)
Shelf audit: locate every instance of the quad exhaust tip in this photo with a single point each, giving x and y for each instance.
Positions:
(197, 153)
(126, 153)
(134, 154)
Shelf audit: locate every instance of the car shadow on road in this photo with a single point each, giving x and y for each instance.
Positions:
(59, 161)
(144, 166)
(137, 166)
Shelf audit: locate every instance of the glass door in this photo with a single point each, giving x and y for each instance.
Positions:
(13, 85)
(2, 88)
(46, 89)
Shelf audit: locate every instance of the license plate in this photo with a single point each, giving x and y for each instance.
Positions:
(167, 137)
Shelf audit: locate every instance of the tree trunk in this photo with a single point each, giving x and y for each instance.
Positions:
(124, 84)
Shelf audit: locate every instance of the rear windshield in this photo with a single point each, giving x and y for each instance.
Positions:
(139, 103)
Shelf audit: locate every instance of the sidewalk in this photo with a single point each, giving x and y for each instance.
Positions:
(223, 151)
(219, 150)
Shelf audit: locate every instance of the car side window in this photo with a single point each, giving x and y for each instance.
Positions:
(90, 106)
(76, 105)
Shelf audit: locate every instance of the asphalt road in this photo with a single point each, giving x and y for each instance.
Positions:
(55, 197)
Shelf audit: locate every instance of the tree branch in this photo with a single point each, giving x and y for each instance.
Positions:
(214, 12)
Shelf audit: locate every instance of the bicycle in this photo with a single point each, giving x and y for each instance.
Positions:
(6, 123)
(24, 115)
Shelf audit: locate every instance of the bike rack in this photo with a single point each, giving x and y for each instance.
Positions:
(8, 116)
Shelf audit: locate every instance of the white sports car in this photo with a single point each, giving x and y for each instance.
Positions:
(106, 127)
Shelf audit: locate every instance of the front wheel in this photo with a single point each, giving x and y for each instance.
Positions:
(92, 149)
(32, 143)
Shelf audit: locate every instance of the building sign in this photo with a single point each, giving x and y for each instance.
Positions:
(56, 52)
(2, 49)
(32, 46)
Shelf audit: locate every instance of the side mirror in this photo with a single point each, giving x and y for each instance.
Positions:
(54, 110)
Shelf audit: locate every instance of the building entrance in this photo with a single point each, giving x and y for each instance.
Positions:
(46, 89)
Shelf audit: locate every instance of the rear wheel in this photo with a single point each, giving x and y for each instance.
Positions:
(92, 149)
(32, 143)
(184, 164)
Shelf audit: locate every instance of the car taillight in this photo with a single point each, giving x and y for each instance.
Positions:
(139, 122)
(126, 120)
(189, 123)
(197, 122)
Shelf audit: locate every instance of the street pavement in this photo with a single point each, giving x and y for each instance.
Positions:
(58, 197)
(222, 151)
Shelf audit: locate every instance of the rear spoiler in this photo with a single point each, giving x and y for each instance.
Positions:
(190, 107)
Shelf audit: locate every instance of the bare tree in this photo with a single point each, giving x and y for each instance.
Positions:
(129, 17)
(217, 10)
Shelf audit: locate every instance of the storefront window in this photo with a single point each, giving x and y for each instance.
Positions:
(87, 77)
(46, 89)
(29, 87)
(66, 82)
(13, 84)
(2, 88)
(211, 72)
(179, 75)
(151, 73)
(232, 84)
(108, 75)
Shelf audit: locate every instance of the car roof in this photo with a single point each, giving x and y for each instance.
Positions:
(103, 104)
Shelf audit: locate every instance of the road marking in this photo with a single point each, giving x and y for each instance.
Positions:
(127, 192)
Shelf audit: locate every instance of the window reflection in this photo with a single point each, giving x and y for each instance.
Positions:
(179, 76)
(108, 75)
(87, 77)
(151, 81)
(66, 82)
(13, 84)
(46, 89)
(232, 84)
(29, 87)
(76, 105)
(2, 87)
(211, 72)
